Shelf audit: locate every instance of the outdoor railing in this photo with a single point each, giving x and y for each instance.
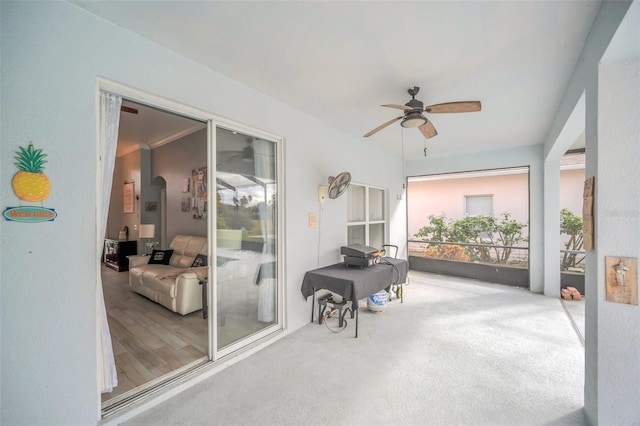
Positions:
(572, 261)
(515, 256)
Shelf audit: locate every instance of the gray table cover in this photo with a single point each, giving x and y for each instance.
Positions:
(355, 283)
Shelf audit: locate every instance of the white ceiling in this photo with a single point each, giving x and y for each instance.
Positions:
(339, 61)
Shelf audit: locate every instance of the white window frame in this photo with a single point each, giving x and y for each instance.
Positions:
(367, 222)
(477, 196)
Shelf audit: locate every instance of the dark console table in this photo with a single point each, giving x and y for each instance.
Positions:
(116, 252)
(354, 283)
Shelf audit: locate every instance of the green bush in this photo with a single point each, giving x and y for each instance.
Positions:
(571, 225)
(480, 231)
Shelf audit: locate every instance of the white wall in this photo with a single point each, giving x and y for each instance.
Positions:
(52, 53)
(618, 234)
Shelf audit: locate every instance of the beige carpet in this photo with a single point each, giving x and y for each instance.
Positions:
(457, 352)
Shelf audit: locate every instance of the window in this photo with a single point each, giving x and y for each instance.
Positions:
(366, 219)
(478, 205)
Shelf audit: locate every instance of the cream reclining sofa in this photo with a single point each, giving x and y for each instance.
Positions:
(175, 286)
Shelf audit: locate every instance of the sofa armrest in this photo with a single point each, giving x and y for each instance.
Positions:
(187, 277)
(137, 260)
(188, 293)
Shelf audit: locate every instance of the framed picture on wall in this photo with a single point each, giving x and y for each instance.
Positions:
(199, 192)
(129, 194)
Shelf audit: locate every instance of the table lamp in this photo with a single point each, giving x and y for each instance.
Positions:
(148, 231)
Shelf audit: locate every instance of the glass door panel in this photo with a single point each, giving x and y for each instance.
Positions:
(246, 243)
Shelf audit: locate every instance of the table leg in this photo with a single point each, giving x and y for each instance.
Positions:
(357, 322)
(321, 305)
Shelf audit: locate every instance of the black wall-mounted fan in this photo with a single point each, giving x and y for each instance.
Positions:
(414, 117)
(337, 186)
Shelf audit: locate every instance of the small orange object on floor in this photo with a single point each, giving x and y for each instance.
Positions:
(570, 293)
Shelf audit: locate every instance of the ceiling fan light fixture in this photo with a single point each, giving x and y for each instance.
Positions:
(414, 119)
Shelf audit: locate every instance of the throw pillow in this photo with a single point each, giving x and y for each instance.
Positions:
(160, 257)
(200, 260)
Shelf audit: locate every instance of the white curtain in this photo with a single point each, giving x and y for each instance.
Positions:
(109, 121)
(265, 165)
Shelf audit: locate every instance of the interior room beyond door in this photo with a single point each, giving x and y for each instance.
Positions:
(157, 151)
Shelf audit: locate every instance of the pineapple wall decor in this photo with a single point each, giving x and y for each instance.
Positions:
(30, 185)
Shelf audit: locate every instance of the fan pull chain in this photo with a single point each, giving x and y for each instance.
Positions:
(402, 143)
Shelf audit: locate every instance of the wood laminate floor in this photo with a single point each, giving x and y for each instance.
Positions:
(149, 341)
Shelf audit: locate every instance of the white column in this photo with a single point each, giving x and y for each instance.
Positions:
(617, 213)
(551, 228)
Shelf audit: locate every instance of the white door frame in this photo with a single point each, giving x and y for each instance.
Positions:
(212, 122)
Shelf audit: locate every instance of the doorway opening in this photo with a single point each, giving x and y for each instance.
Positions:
(151, 344)
(471, 224)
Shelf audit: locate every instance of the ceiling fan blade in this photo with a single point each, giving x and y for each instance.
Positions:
(404, 107)
(128, 109)
(427, 130)
(382, 126)
(464, 106)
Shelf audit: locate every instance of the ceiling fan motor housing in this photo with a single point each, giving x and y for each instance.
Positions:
(415, 104)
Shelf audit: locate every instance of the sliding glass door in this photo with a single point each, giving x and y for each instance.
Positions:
(247, 213)
(190, 152)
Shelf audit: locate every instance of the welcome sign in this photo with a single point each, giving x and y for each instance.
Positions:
(30, 214)
(30, 184)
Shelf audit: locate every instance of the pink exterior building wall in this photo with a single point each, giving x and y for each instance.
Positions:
(434, 197)
(510, 194)
(571, 187)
